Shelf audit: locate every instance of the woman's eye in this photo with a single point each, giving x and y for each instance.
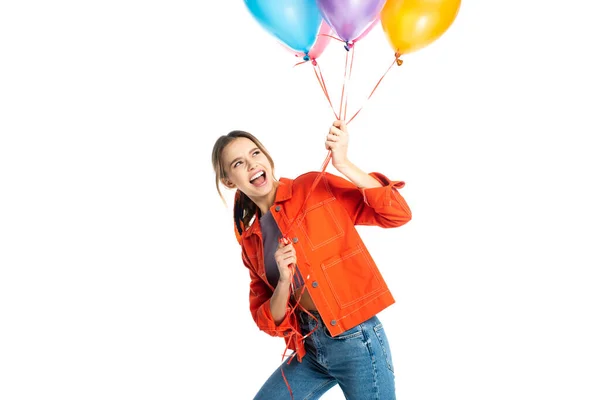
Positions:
(256, 152)
(236, 164)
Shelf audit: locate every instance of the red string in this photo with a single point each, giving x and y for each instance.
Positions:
(396, 61)
(344, 85)
(349, 77)
(321, 80)
(333, 37)
(285, 240)
(347, 73)
(295, 332)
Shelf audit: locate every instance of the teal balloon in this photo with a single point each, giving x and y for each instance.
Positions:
(295, 23)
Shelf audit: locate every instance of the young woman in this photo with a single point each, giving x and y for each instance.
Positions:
(318, 287)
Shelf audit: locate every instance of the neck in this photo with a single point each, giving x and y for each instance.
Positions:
(265, 202)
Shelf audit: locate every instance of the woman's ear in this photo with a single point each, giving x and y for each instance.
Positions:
(228, 183)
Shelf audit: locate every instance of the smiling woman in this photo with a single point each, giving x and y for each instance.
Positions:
(251, 171)
(317, 286)
(240, 149)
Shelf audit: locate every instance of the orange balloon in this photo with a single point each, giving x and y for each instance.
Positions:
(411, 25)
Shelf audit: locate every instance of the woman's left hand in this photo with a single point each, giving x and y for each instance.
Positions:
(337, 142)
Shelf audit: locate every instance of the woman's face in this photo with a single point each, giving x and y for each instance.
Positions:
(248, 169)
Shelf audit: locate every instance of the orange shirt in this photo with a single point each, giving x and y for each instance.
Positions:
(340, 274)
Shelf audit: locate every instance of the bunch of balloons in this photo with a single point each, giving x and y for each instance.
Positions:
(305, 27)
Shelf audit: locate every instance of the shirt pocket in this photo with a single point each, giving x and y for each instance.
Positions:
(352, 276)
(321, 225)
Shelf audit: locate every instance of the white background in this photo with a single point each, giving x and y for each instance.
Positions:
(120, 274)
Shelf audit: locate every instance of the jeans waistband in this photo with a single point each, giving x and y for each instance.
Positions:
(304, 317)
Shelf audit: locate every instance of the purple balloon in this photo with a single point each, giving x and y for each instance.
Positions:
(349, 18)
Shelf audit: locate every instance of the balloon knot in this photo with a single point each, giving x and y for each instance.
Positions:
(398, 60)
(348, 45)
(314, 62)
(306, 57)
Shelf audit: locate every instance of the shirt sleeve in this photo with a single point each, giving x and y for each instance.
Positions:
(382, 206)
(260, 305)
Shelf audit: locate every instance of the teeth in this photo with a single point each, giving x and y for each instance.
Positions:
(256, 175)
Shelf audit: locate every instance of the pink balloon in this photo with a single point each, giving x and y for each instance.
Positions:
(323, 38)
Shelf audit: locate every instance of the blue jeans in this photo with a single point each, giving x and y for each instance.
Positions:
(359, 360)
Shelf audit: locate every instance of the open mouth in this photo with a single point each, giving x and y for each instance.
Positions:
(259, 178)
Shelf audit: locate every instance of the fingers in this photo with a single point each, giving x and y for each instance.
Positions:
(340, 124)
(332, 138)
(285, 255)
(284, 249)
(289, 260)
(336, 136)
(331, 142)
(286, 262)
(336, 131)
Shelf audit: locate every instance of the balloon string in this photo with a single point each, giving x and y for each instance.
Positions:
(285, 236)
(344, 85)
(321, 80)
(347, 73)
(329, 153)
(397, 61)
(348, 82)
(295, 332)
(289, 388)
(285, 239)
(300, 63)
(333, 37)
